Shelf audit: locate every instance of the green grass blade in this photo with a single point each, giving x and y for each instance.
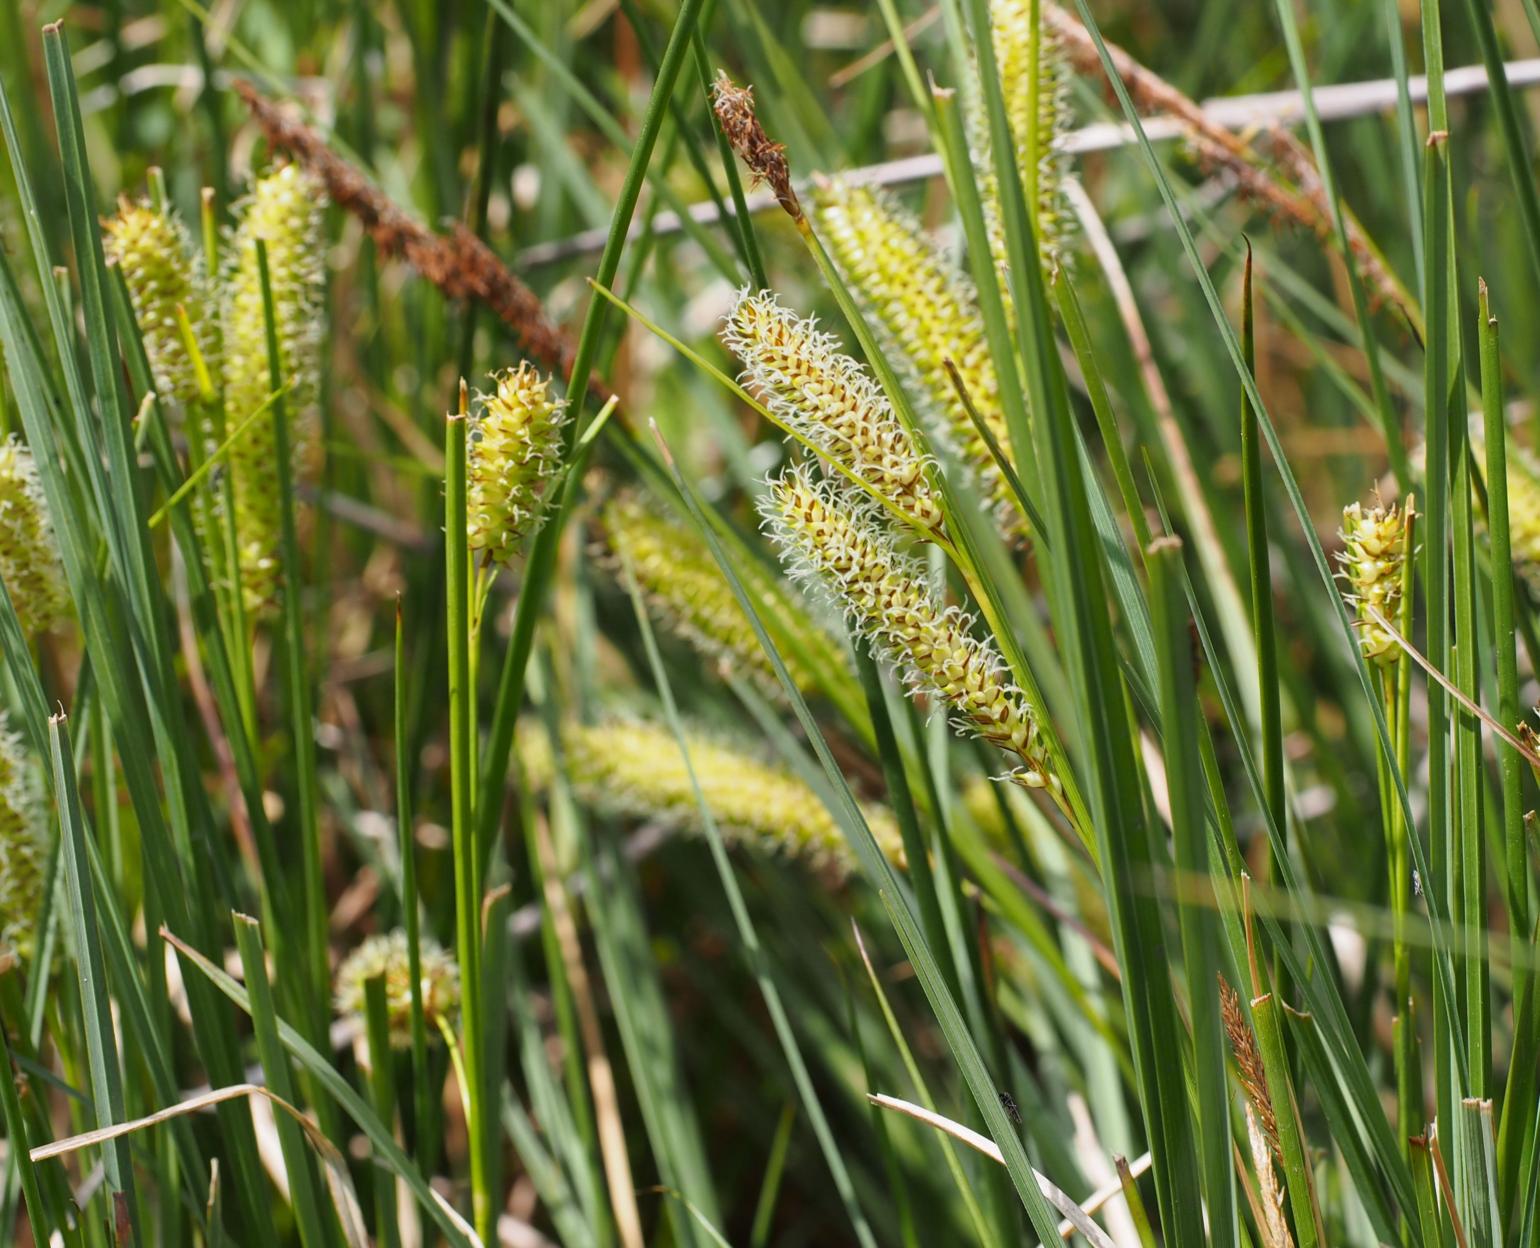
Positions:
(313, 1226)
(101, 1042)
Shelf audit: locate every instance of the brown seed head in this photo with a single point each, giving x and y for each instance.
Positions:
(734, 106)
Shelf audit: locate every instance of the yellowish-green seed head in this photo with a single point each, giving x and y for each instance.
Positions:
(1523, 506)
(29, 554)
(513, 450)
(388, 956)
(163, 272)
(284, 209)
(628, 767)
(927, 312)
(683, 585)
(801, 375)
(23, 850)
(1036, 121)
(833, 536)
(1372, 558)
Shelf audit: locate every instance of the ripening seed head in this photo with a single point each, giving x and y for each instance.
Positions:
(513, 449)
(925, 308)
(23, 850)
(284, 209)
(1523, 506)
(1023, 60)
(163, 272)
(629, 767)
(834, 536)
(1372, 557)
(801, 375)
(388, 956)
(29, 555)
(682, 583)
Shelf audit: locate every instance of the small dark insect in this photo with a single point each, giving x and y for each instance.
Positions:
(1009, 1106)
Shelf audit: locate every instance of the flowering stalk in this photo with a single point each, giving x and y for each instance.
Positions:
(1374, 550)
(833, 536)
(514, 448)
(828, 398)
(283, 210)
(388, 956)
(153, 250)
(1523, 480)
(1035, 90)
(23, 850)
(683, 585)
(925, 308)
(29, 556)
(633, 768)
(734, 107)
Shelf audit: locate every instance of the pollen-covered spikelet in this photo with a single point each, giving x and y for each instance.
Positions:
(29, 555)
(152, 250)
(828, 398)
(284, 210)
(1523, 507)
(830, 534)
(630, 767)
(23, 852)
(513, 450)
(1034, 118)
(683, 585)
(390, 957)
(1373, 554)
(926, 310)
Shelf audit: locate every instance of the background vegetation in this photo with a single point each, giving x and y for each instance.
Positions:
(1255, 967)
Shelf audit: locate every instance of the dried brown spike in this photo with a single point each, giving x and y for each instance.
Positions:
(1248, 1059)
(734, 107)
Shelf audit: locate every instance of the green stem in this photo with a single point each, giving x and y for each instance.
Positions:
(467, 857)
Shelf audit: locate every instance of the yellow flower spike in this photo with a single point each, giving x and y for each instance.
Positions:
(926, 310)
(628, 767)
(163, 272)
(1021, 60)
(1523, 506)
(29, 555)
(833, 536)
(284, 209)
(23, 850)
(1373, 554)
(683, 585)
(514, 450)
(801, 375)
(388, 956)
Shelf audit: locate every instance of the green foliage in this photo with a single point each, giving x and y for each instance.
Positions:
(1044, 477)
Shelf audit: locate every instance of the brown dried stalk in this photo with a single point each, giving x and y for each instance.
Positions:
(1305, 202)
(734, 107)
(458, 263)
